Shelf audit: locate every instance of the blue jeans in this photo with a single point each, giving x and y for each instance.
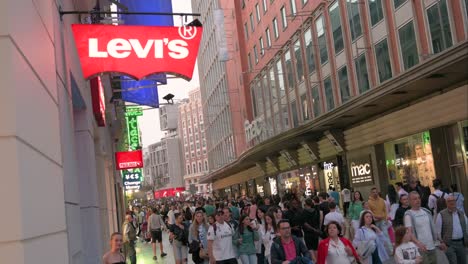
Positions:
(249, 259)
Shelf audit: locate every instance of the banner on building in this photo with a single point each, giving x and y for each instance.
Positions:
(129, 160)
(98, 101)
(171, 192)
(131, 179)
(137, 51)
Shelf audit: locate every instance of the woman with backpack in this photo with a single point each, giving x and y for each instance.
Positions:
(245, 240)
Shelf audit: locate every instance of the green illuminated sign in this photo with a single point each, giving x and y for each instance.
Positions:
(131, 116)
(133, 111)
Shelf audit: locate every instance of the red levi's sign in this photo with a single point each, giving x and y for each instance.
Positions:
(129, 160)
(168, 192)
(99, 101)
(137, 51)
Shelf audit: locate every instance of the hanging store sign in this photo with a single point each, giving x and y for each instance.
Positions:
(329, 175)
(273, 189)
(361, 171)
(129, 160)
(137, 51)
(98, 101)
(168, 192)
(308, 191)
(131, 179)
(132, 114)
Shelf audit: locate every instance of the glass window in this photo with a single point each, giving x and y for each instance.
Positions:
(188, 169)
(304, 2)
(344, 84)
(309, 50)
(298, 57)
(316, 101)
(284, 19)
(439, 25)
(295, 114)
(289, 71)
(398, 3)
(265, 6)
(362, 75)
(354, 18)
(257, 11)
(259, 97)
(376, 11)
(409, 49)
(194, 168)
(246, 31)
(255, 54)
(268, 38)
(322, 42)
(206, 165)
(336, 27)
(285, 117)
(273, 86)
(200, 167)
(293, 7)
(305, 106)
(254, 100)
(252, 26)
(279, 69)
(275, 28)
(329, 94)
(262, 47)
(250, 61)
(383, 60)
(267, 92)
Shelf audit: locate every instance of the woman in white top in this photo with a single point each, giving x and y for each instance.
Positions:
(268, 233)
(406, 252)
(369, 241)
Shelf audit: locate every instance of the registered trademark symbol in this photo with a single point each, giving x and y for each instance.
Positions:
(187, 32)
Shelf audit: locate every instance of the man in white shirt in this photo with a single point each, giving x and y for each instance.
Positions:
(333, 215)
(432, 203)
(220, 248)
(400, 190)
(451, 225)
(419, 223)
(170, 215)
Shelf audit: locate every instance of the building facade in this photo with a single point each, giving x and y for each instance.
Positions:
(222, 95)
(193, 140)
(166, 163)
(336, 85)
(63, 193)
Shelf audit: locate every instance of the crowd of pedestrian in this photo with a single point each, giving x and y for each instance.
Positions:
(411, 225)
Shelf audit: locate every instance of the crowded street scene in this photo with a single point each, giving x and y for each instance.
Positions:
(234, 131)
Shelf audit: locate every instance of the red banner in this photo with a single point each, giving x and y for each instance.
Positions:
(168, 192)
(129, 160)
(137, 51)
(99, 101)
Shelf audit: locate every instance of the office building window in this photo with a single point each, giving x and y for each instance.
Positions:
(252, 27)
(194, 168)
(200, 169)
(265, 6)
(268, 37)
(279, 70)
(309, 50)
(206, 165)
(258, 97)
(293, 7)
(286, 117)
(298, 57)
(262, 47)
(344, 84)
(408, 46)
(246, 31)
(439, 24)
(305, 106)
(250, 61)
(336, 27)
(275, 28)
(316, 101)
(274, 93)
(289, 70)
(376, 11)
(327, 84)
(188, 169)
(304, 2)
(294, 113)
(354, 18)
(322, 42)
(398, 3)
(362, 75)
(383, 61)
(254, 100)
(284, 19)
(255, 54)
(257, 12)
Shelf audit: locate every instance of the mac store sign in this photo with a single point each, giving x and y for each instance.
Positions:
(361, 171)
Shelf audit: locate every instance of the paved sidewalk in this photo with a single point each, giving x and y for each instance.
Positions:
(145, 252)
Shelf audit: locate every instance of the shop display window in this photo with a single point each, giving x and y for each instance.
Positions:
(410, 158)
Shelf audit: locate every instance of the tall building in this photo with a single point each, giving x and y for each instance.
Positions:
(222, 94)
(166, 164)
(193, 140)
(59, 178)
(340, 85)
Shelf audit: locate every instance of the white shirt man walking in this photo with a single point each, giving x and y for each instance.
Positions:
(220, 248)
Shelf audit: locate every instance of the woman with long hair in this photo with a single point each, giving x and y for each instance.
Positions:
(179, 235)
(259, 224)
(391, 202)
(336, 249)
(245, 240)
(114, 256)
(277, 213)
(355, 209)
(369, 240)
(198, 232)
(268, 233)
(406, 252)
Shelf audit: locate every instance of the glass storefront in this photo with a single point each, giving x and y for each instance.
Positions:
(410, 158)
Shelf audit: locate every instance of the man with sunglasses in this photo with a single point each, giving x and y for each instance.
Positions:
(220, 248)
(287, 248)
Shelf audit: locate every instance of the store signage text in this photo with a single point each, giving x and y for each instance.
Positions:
(98, 101)
(361, 171)
(274, 190)
(253, 130)
(308, 191)
(168, 192)
(328, 173)
(132, 114)
(129, 160)
(137, 50)
(131, 179)
(259, 189)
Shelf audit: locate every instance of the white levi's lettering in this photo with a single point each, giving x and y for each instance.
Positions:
(122, 48)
